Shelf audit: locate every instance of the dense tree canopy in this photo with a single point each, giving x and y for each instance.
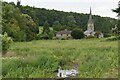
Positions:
(68, 20)
(19, 26)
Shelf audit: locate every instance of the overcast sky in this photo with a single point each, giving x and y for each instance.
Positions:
(99, 7)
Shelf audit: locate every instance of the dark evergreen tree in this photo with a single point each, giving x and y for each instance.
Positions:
(18, 3)
(117, 10)
(57, 26)
(46, 28)
(77, 33)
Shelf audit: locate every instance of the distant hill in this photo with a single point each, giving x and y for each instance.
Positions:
(19, 21)
(40, 15)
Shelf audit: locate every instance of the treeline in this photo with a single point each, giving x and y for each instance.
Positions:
(22, 22)
(67, 20)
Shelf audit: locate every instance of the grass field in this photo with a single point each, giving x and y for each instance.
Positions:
(93, 57)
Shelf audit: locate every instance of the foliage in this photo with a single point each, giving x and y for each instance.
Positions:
(56, 26)
(6, 41)
(115, 31)
(51, 34)
(117, 10)
(77, 33)
(46, 28)
(45, 35)
(10, 22)
(47, 32)
(113, 38)
(31, 30)
(71, 22)
(20, 27)
(107, 35)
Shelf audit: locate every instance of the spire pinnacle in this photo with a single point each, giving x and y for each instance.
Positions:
(18, 0)
(18, 3)
(90, 11)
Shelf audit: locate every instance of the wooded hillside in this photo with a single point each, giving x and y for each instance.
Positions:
(68, 20)
(19, 21)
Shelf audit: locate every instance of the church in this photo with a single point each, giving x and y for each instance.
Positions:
(90, 26)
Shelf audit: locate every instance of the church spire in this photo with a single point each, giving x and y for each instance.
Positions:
(90, 11)
(90, 26)
(18, 3)
(90, 16)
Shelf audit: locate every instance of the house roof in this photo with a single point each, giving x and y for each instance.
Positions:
(64, 32)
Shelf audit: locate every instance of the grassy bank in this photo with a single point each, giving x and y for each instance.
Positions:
(93, 57)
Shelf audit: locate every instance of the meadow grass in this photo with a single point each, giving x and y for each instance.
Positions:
(94, 58)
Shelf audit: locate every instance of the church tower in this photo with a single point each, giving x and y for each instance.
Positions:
(90, 24)
(18, 3)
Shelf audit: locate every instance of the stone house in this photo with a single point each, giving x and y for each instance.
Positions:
(64, 34)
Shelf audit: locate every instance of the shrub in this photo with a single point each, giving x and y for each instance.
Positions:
(112, 38)
(39, 36)
(51, 35)
(45, 36)
(77, 33)
(5, 43)
(107, 35)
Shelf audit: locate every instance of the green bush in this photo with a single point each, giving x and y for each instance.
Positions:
(77, 34)
(107, 35)
(112, 38)
(45, 36)
(5, 43)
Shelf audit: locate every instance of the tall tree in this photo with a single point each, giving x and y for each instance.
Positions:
(20, 27)
(46, 28)
(117, 10)
(56, 26)
(10, 22)
(31, 30)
